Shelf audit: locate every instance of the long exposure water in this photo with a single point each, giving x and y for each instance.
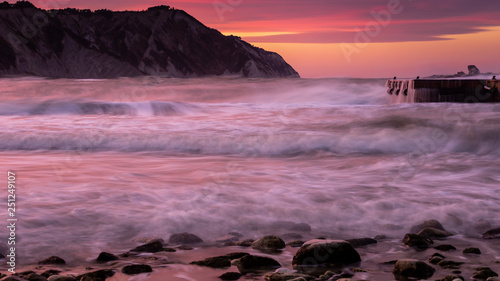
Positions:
(103, 163)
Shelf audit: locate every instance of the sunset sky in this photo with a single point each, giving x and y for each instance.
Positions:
(354, 38)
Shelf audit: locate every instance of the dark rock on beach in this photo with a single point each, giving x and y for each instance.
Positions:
(333, 253)
(252, 263)
(184, 238)
(230, 276)
(432, 232)
(417, 241)
(13, 278)
(426, 224)
(136, 269)
(413, 268)
(445, 247)
(152, 247)
(96, 275)
(450, 264)
(105, 257)
(484, 273)
(31, 276)
(233, 256)
(215, 262)
(245, 243)
(295, 243)
(61, 278)
(492, 234)
(360, 242)
(50, 272)
(435, 259)
(35, 277)
(279, 276)
(472, 251)
(269, 243)
(52, 260)
(227, 239)
(451, 278)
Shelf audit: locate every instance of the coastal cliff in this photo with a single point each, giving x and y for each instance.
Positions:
(160, 41)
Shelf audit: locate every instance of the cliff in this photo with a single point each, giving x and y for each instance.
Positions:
(161, 41)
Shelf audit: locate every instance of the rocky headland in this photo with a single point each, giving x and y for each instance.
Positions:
(161, 41)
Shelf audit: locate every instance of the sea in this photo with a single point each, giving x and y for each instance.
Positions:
(102, 165)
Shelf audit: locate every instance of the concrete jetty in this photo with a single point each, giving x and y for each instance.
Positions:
(443, 90)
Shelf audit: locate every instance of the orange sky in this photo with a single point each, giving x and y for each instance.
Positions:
(355, 38)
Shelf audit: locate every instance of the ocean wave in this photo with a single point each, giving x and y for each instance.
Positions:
(80, 107)
(416, 136)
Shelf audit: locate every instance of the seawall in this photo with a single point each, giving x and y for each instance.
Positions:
(443, 90)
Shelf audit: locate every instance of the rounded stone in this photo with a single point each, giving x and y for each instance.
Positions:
(269, 243)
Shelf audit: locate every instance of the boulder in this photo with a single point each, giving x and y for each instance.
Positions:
(245, 243)
(13, 278)
(417, 241)
(96, 275)
(435, 259)
(360, 242)
(295, 243)
(329, 253)
(151, 247)
(450, 264)
(52, 260)
(136, 269)
(451, 278)
(61, 278)
(231, 276)
(35, 277)
(50, 272)
(445, 247)
(426, 224)
(105, 257)
(472, 251)
(432, 232)
(279, 276)
(227, 239)
(412, 268)
(269, 243)
(32, 276)
(215, 262)
(252, 263)
(184, 238)
(233, 256)
(484, 273)
(492, 234)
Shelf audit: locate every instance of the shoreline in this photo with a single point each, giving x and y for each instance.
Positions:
(171, 261)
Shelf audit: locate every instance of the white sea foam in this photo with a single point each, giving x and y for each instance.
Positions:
(123, 159)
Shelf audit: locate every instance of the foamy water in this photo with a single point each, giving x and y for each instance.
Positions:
(103, 163)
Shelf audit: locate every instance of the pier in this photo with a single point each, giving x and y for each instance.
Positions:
(443, 90)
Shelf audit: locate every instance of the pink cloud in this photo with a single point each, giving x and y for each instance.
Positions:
(323, 21)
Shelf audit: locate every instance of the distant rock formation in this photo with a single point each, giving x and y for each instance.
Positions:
(161, 41)
(473, 71)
